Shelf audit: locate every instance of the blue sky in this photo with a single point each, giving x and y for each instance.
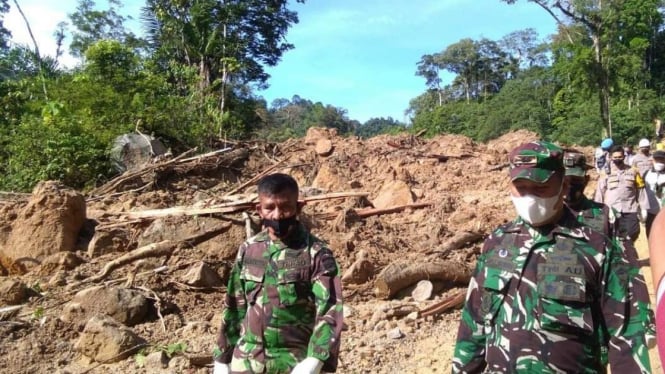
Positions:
(354, 54)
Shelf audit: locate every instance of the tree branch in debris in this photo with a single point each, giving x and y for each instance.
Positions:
(444, 305)
(163, 248)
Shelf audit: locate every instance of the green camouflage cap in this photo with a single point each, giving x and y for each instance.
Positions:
(575, 163)
(535, 161)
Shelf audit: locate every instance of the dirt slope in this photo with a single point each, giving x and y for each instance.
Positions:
(464, 182)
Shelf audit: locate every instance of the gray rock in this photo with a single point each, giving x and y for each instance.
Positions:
(124, 305)
(156, 361)
(201, 275)
(12, 292)
(106, 340)
(104, 242)
(395, 333)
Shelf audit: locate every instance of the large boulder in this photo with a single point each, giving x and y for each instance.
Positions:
(393, 193)
(124, 305)
(49, 223)
(134, 151)
(106, 340)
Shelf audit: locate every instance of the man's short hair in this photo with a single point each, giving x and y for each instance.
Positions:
(277, 184)
(616, 148)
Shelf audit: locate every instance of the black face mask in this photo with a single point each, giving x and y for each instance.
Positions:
(575, 194)
(617, 162)
(281, 227)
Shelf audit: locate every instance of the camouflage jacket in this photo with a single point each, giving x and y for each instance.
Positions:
(283, 303)
(602, 218)
(541, 300)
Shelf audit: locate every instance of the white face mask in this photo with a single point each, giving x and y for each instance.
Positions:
(658, 166)
(536, 210)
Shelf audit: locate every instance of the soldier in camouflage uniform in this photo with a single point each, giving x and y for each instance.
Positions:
(602, 218)
(547, 288)
(283, 308)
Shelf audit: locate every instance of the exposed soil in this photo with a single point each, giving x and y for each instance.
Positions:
(463, 181)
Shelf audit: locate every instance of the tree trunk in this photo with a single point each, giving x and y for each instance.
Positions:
(401, 274)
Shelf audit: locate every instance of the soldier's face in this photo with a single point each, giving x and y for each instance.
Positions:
(280, 206)
(523, 187)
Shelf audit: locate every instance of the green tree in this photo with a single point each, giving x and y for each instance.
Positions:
(601, 37)
(229, 42)
(5, 34)
(92, 25)
(377, 126)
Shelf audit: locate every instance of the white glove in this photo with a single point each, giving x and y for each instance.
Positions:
(220, 368)
(310, 365)
(643, 215)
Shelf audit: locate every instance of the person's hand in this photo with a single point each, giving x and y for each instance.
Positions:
(310, 365)
(643, 215)
(220, 368)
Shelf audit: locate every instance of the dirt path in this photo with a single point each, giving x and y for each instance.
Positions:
(643, 253)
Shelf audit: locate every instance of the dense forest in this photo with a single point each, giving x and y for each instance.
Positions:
(194, 79)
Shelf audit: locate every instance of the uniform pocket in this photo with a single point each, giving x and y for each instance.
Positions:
(294, 287)
(494, 288)
(252, 276)
(563, 306)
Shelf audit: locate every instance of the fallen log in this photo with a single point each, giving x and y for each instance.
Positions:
(163, 248)
(401, 274)
(444, 305)
(228, 207)
(458, 241)
(368, 212)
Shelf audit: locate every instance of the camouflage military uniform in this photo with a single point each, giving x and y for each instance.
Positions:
(541, 300)
(602, 218)
(283, 303)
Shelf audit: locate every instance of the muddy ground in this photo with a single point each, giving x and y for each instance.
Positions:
(47, 257)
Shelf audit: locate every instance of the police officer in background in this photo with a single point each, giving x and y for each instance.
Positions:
(602, 218)
(547, 288)
(642, 160)
(623, 190)
(601, 156)
(654, 179)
